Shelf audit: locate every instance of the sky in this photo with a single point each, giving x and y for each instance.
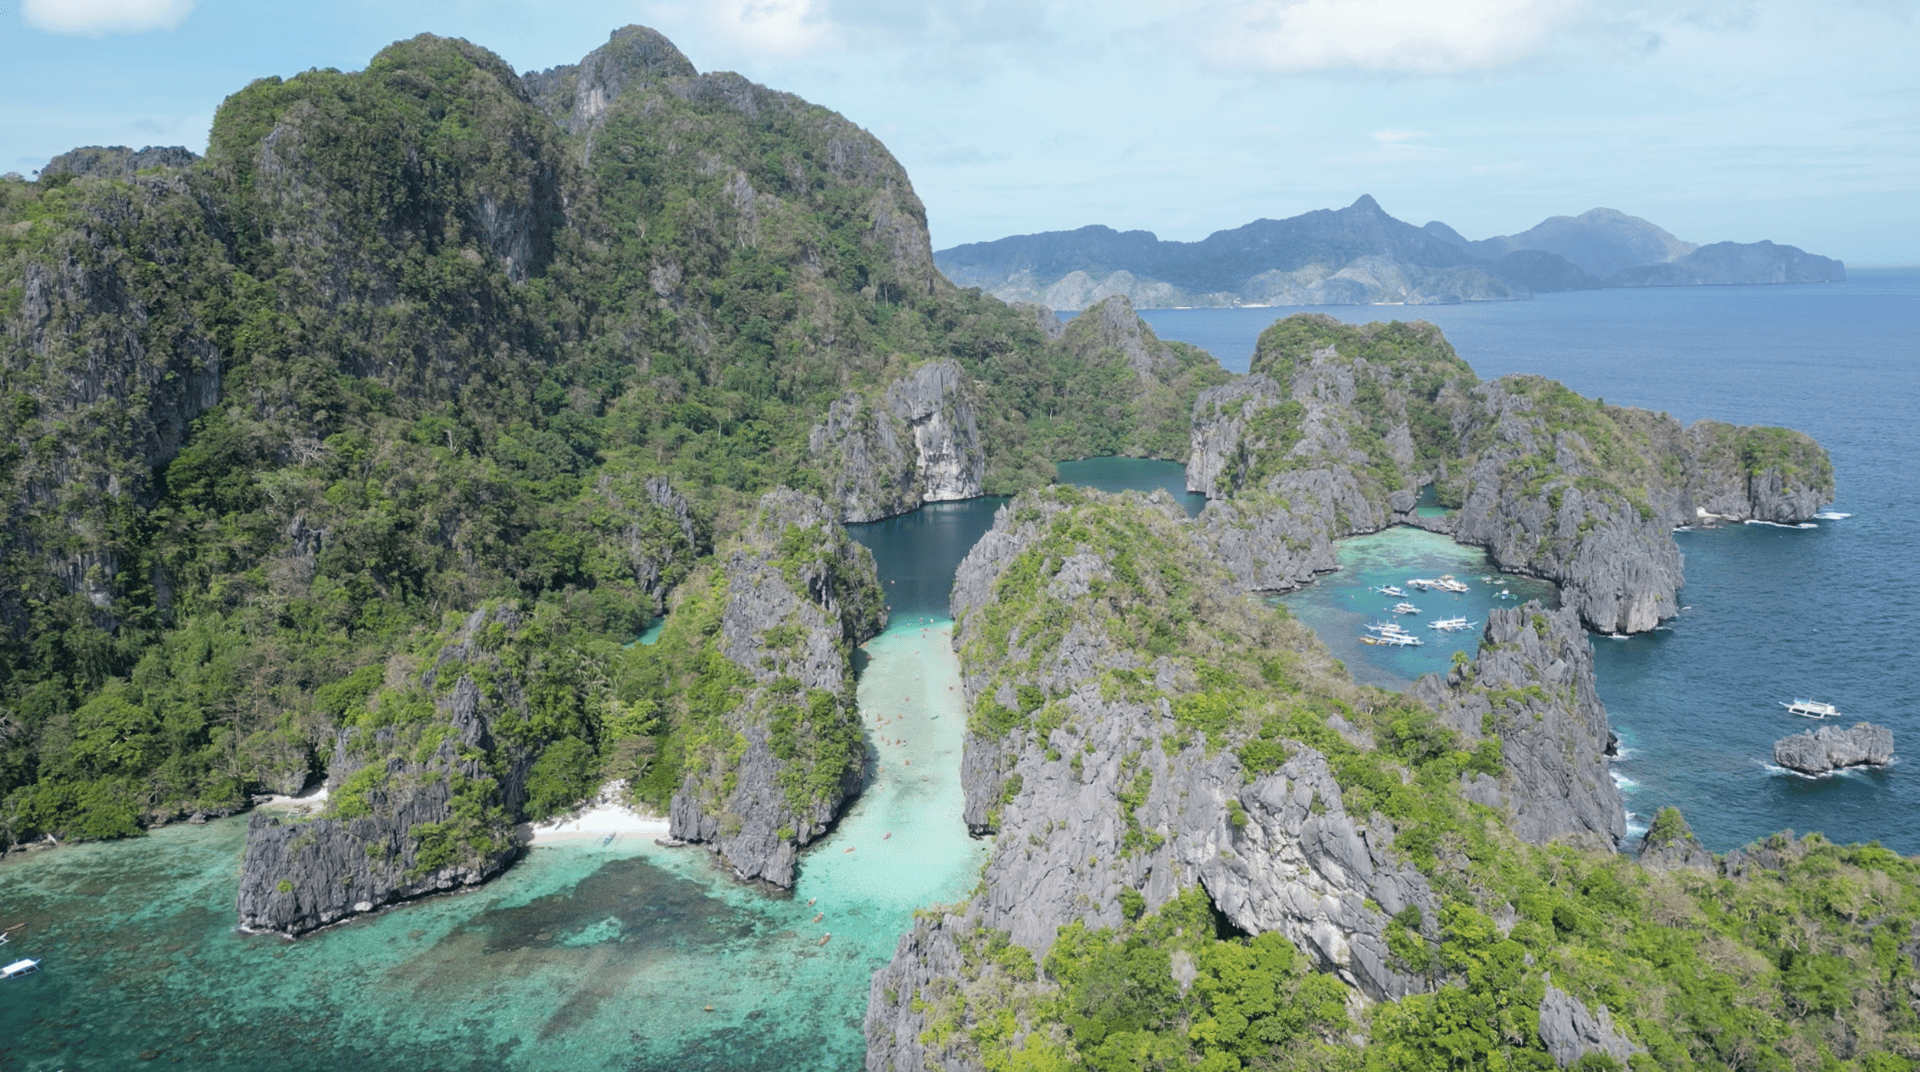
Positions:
(1791, 120)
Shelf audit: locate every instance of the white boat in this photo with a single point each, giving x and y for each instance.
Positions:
(1396, 640)
(1405, 608)
(19, 968)
(1391, 590)
(1452, 625)
(1811, 709)
(1385, 627)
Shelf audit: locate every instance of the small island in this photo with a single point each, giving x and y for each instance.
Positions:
(1831, 748)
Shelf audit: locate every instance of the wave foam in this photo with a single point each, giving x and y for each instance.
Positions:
(1779, 525)
(1832, 515)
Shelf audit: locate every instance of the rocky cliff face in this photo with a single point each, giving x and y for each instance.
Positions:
(1532, 686)
(117, 161)
(1086, 758)
(1831, 748)
(916, 443)
(1339, 428)
(107, 369)
(1571, 1031)
(413, 807)
(578, 95)
(797, 595)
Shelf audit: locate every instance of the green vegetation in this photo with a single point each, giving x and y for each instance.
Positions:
(1801, 956)
(400, 346)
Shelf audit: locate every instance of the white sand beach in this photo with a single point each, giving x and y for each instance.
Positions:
(602, 818)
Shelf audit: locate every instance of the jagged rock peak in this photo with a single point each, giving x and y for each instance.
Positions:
(796, 595)
(1531, 684)
(1669, 845)
(577, 95)
(1114, 323)
(117, 161)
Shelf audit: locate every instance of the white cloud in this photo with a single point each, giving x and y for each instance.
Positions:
(94, 18)
(1402, 36)
(760, 28)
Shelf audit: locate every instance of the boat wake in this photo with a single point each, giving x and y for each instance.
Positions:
(1779, 525)
(1832, 515)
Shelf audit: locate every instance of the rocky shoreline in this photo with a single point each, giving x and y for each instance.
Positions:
(1830, 748)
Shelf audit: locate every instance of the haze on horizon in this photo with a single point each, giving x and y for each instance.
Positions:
(1717, 119)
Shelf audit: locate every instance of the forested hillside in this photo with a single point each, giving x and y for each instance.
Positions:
(419, 339)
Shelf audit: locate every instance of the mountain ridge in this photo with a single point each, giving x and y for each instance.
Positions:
(1358, 255)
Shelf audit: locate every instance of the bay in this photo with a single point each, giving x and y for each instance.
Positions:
(1771, 613)
(587, 956)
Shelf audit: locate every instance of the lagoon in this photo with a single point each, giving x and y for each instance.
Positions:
(589, 957)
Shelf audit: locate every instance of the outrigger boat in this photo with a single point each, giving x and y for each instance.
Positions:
(1452, 625)
(19, 968)
(1393, 640)
(1811, 709)
(1391, 590)
(1390, 633)
(1405, 608)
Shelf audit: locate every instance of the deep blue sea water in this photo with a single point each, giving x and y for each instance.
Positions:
(634, 957)
(1772, 613)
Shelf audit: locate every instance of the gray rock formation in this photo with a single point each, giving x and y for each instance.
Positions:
(1098, 791)
(1265, 543)
(1831, 748)
(919, 443)
(1339, 427)
(1222, 448)
(392, 831)
(1532, 685)
(1669, 845)
(799, 594)
(108, 371)
(117, 161)
(1571, 1031)
(578, 95)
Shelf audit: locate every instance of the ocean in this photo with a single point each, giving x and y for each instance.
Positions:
(1771, 614)
(629, 956)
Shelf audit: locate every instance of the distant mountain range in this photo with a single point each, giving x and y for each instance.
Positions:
(1359, 255)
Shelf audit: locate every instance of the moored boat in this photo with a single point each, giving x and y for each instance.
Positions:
(1811, 709)
(19, 968)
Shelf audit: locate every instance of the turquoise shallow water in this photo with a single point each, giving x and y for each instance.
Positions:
(588, 957)
(1341, 605)
(579, 957)
(1774, 613)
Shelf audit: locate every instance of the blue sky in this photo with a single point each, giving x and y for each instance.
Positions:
(1717, 119)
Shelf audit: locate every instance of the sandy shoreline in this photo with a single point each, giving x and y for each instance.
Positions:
(597, 822)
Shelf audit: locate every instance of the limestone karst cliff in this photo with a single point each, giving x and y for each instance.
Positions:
(431, 333)
(424, 787)
(758, 664)
(1336, 430)
(919, 442)
(1140, 731)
